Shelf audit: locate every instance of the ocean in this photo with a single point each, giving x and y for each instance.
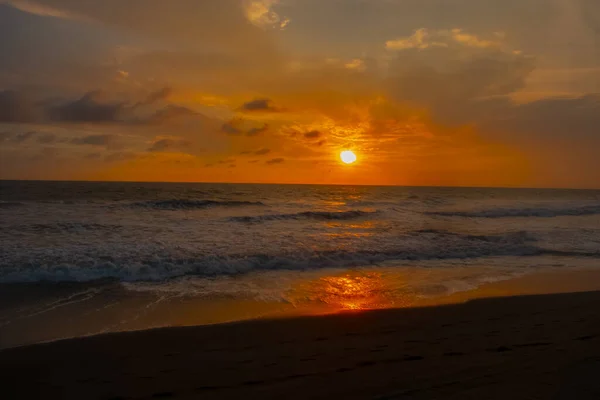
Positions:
(80, 258)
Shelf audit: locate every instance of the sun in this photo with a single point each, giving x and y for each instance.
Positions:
(348, 157)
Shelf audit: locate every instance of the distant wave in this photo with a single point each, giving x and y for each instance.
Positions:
(177, 204)
(312, 215)
(10, 204)
(131, 266)
(541, 212)
(65, 227)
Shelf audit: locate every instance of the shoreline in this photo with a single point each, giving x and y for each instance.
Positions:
(234, 311)
(545, 345)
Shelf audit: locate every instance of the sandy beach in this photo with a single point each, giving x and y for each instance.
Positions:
(518, 347)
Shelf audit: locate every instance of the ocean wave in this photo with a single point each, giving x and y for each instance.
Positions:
(542, 212)
(310, 215)
(10, 204)
(180, 204)
(156, 266)
(65, 227)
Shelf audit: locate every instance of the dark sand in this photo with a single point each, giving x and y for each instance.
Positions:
(523, 347)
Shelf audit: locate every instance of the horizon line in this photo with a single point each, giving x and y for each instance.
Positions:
(304, 184)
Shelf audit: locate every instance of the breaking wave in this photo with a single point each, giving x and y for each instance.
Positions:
(310, 215)
(152, 266)
(541, 212)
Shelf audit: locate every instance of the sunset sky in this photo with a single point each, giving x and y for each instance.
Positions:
(425, 92)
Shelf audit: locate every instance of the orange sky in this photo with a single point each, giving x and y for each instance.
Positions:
(273, 90)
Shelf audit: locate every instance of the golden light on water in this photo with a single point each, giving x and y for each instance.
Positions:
(348, 157)
(351, 291)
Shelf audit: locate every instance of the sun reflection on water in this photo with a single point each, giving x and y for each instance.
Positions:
(352, 291)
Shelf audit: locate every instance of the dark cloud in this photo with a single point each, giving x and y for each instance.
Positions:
(96, 140)
(160, 95)
(16, 108)
(257, 131)
(89, 108)
(94, 108)
(168, 144)
(312, 135)
(262, 152)
(258, 105)
(321, 143)
(275, 161)
(230, 128)
(43, 138)
(172, 112)
(241, 127)
(93, 156)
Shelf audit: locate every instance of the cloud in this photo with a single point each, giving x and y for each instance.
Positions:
(258, 130)
(430, 94)
(16, 108)
(275, 161)
(159, 95)
(424, 38)
(312, 135)
(96, 140)
(230, 128)
(39, 9)
(548, 119)
(261, 14)
(262, 152)
(42, 138)
(172, 112)
(168, 144)
(470, 40)
(188, 22)
(89, 108)
(454, 90)
(239, 126)
(95, 107)
(258, 105)
(419, 40)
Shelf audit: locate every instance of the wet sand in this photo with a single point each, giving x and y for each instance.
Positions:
(519, 347)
